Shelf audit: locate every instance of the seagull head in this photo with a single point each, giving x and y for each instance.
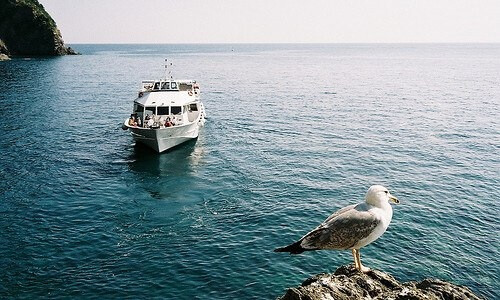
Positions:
(378, 195)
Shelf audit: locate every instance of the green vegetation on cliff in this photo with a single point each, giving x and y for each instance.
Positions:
(27, 29)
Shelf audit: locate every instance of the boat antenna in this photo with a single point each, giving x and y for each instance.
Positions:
(168, 72)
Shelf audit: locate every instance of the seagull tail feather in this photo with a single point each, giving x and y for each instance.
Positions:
(294, 248)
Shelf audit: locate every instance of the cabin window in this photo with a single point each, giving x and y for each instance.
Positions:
(193, 107)
(173, 85)
(150, 110)
(156, 86)
(138, 108)
(175, 110)
(185, 87)
(162, 110)
(165, 86)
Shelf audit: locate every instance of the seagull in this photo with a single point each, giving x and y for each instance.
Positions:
(351, 227)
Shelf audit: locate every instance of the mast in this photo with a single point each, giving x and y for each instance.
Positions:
(168, 70)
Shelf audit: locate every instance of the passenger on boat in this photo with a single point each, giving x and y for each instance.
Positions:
(138, 120)
(150, 122)
(168, 122)
(132, 121)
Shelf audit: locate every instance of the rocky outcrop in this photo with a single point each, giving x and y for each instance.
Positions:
(26, 29)
(4, 52)
(349, 283)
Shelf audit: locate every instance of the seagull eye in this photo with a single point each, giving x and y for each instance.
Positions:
(387, 192)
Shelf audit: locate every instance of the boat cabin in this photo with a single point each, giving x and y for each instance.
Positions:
(166, 103)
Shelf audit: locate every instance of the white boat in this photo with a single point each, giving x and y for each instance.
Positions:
(166, 113)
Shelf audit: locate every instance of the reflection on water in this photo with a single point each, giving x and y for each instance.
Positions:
(176, 161)
(169, 175)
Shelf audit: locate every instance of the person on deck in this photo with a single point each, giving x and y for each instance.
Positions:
(168, 122)
(132, 121)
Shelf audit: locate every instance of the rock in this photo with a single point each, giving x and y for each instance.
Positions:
(348, 283)
(4, 52)
(26, 29)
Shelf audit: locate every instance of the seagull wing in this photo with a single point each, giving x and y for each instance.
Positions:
(342, 230)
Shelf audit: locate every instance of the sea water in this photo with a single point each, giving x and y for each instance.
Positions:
(294, 132)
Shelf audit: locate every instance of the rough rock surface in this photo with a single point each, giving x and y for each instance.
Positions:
(4, 52)
(27, 29)
(349, 283)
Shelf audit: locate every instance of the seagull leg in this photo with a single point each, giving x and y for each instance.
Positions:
(355, 258)
(361, 267)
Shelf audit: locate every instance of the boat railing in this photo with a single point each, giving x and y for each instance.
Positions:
(168, 85)
(147, 85)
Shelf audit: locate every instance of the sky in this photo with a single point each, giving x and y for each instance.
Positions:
(276, 21)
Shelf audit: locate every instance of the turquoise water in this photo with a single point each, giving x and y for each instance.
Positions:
(294, 133)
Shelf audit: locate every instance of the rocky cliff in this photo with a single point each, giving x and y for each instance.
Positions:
(4, 53)
(349, 283)
(26, 29)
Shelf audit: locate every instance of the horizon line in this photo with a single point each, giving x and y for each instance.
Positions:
(269, 43)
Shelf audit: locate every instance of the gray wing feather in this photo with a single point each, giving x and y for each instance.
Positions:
(342, 230)
(338, 212)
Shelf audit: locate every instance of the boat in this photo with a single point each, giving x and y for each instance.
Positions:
(166, 113)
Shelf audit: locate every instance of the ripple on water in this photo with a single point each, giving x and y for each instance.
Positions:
(303, 131)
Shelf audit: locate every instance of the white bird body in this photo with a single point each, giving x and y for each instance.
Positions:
(385, 214)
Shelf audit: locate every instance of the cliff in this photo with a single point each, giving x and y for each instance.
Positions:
(348, 283)
(4, 53)
(26, 29)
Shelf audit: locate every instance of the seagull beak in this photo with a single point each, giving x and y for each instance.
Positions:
(393, 199)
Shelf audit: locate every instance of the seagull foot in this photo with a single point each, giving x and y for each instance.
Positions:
(364, 269)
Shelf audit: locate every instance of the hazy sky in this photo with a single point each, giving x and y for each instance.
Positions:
(276, 21)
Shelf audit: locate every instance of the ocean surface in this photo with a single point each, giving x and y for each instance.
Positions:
(294, 133)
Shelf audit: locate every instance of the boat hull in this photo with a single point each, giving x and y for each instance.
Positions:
(162, 139)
